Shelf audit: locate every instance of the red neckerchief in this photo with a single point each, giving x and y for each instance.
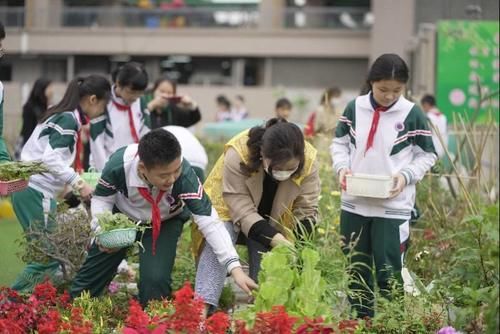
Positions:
(78, 163)
(376, 117)
(155, 212)
(373, 128)
(128, 109)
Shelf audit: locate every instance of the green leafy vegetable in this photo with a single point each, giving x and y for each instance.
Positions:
(10, 171)
(109, 222)
(290, 277)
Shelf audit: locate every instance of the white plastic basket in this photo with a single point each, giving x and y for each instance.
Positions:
(118, 238)
(365, 185)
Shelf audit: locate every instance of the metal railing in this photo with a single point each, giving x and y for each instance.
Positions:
(157, 18)
(349, 18)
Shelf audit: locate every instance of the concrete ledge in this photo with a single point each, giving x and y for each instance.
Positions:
(192, 41)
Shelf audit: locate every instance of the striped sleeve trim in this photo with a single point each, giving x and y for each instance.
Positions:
(232, 263)
(352, 132)
(408, 174)
(61, 130)
(348, 205)
(196, 195)
(415, 133)
(106, 184)
(344, 119)
(398, 213)
(72, 178)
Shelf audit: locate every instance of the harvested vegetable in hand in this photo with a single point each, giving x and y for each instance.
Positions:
(109, 222)
(10, 171)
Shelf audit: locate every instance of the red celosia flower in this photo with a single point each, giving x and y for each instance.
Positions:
(9, 327)
(218, 323)
(314, 326)
(7, 294)
(45, 293)
(76, 324)
(64, 299)
(277, 321)
(188, 311)
(348, 326)
(241, 327)
(137, 318)
(23, 315)
(50, 323)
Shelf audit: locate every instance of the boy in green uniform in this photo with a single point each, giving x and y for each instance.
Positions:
(151, 181)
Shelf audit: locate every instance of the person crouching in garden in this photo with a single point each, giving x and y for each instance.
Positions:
(151, 181)
(266, 180)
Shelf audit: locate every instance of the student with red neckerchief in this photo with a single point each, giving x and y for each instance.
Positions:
(54, 141)
(152, 181)
(126, 118)
(380, 133)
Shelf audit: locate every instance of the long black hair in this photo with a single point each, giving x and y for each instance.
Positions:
(37, 95)
(132, 75)
(388, 66)
(79, 87)
(278, 140)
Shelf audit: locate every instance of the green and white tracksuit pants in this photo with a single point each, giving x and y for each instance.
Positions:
(378, 241)
(33, 208)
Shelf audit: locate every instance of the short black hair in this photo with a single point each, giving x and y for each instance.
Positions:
(429, 99)
(2, 31)
(284, 103)
(158, 147)
(132, 75)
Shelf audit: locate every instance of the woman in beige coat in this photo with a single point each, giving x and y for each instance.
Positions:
(266, 188)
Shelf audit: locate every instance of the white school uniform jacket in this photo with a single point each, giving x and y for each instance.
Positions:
(402, 144)
(192, 150)
(54, 143)
(440, 124)
(119, 186)
(112, 130)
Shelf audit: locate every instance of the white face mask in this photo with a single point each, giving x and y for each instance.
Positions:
(279, 175)
(282, 175)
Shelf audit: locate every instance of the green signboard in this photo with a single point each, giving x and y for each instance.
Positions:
(467, 52)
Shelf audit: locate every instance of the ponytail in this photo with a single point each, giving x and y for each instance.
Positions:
(277, 139)
(77, 89)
